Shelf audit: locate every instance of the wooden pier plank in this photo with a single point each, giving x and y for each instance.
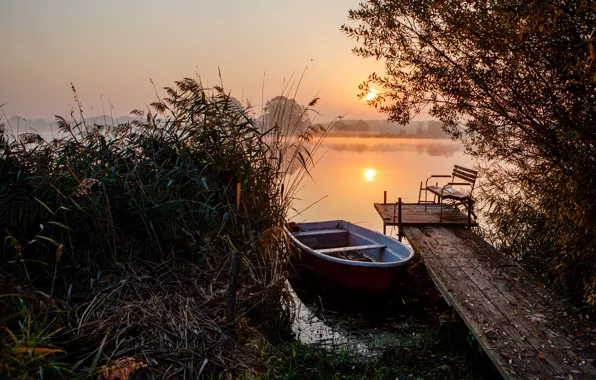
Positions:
(487, 260)
(514, 358)
(540, 315)
(496, 298)
(419, 214)
(482, 317)
(548, 346)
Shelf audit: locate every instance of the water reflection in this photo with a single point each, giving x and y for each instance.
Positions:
(434, 148)
(399, 166)
(369, 175)
(338, 320)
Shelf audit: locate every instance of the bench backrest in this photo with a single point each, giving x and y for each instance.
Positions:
(465, 174)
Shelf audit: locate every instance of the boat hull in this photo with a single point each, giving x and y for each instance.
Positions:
(358, 278)
(380, 275)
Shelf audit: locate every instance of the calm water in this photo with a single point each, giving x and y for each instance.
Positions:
(352, 174)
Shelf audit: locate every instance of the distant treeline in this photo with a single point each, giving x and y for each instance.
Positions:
(427, 129)
(46, 128)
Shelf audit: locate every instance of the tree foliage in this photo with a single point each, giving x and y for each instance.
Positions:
(286, 114)
(515, 81)
(361, 125)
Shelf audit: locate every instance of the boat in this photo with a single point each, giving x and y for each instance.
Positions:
(349, 255)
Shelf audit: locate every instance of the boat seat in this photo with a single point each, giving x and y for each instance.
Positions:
(320, 232)
(352, 248)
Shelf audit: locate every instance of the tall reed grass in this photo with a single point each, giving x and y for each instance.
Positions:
(119, 238)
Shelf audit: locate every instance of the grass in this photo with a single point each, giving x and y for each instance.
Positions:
(437, 354)
(118, 240)
(27, 343)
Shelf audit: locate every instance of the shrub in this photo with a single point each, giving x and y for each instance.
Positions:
(125, 232)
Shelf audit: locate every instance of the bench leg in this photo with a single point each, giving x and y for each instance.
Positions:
(470, 212)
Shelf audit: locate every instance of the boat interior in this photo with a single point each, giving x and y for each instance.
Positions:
(339, 241)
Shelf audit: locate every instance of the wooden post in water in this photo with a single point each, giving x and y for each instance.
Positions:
(399, 229)
(384, 202)
(232, 280)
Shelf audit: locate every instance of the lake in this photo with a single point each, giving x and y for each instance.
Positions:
(352, 173)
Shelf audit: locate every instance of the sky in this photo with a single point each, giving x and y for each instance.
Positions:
(111, 49)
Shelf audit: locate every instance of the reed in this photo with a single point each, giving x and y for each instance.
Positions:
(124, 234)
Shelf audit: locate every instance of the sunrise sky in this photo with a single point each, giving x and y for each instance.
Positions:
(113, 47)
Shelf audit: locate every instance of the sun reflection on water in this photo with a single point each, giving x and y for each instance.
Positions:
(369, 175)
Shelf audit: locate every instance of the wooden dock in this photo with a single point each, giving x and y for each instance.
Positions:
(526, 330)
(416, 214)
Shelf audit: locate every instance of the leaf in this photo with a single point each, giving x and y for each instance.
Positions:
(61, 225)
(99, 351)
(303, 163)
(15, 243)
(49, 239)
(14, 338)
(44, 205)
(37, 350)
(592, 50)
(238, 192)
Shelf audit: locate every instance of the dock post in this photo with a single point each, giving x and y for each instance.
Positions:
(399, 229)
(469, 212)
(231, 290)
(384, 202)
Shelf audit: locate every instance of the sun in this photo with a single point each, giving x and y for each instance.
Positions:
(369, 175)
(371, 95)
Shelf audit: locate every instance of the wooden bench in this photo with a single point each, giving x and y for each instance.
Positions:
(459, 177)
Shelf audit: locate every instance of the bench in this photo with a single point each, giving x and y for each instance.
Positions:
(459, 177)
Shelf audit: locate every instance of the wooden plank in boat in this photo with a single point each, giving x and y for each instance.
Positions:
(352, 248)
(320, 232)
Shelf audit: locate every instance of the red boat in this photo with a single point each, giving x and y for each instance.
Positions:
(350, 256)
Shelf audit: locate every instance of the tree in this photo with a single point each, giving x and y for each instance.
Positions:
(286, 114)
(434, 130)
(361, 126)
(515, 81)
(340, 126)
